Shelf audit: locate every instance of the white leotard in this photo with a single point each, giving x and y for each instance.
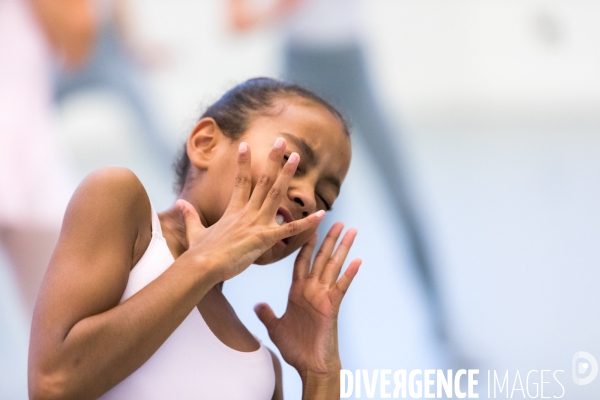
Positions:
(192, 363)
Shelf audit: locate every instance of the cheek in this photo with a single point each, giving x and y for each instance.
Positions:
(219, 193)
(303, 238)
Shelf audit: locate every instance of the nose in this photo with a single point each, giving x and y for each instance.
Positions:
(304, 197)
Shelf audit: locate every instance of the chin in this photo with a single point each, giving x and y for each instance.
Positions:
(268, 257)
(272, 255)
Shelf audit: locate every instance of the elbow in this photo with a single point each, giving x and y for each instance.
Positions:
(47, 387)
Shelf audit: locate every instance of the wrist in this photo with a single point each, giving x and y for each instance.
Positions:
(331, 373)
(321, 385)
(203, 270)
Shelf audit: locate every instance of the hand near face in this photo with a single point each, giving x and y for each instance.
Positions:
(247, 228)
(306, 334)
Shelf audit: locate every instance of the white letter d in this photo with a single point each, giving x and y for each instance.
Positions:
(345, 374)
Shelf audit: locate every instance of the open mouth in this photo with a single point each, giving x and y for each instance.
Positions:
(283, 217)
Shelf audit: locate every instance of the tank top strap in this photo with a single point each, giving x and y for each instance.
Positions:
(156, 229)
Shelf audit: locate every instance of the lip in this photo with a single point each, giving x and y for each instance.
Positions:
(287, 217)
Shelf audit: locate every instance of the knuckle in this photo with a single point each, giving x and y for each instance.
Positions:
(301, 258)
(243, 158)
(241, 180)
(264, 238)
(274, 192)
(291, 229)
(264, 179)
(273, 156)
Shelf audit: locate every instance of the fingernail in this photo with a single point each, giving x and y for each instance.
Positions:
(243, 147)
(320, 213)
(293, 157)
(279, 142)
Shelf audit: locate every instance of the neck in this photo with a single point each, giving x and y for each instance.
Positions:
(174, 233)
(174, 228)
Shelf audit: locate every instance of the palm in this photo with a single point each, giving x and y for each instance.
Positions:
(306, 334)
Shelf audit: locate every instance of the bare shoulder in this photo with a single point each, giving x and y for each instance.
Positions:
(114, 204)
(112, 193)
(117, 185)
(90, 266)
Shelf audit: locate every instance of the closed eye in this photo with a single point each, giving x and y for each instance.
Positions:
(327, 206)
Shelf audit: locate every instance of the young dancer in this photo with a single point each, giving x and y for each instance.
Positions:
(131, 306)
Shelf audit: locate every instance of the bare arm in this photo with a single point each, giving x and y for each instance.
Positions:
(83, 342)
(70, 26)
(243, 15)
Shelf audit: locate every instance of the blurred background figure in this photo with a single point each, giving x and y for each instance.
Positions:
(34, 180)
(35, 183)
(323, 52)
(117, 63)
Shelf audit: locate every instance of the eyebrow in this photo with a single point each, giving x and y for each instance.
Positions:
(311, 157)
(303, 146)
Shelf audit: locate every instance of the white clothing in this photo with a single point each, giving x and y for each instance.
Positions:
(34, 186)
(324, 24)
(192, 363)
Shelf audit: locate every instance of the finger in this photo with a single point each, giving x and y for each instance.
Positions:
(243, 179)
(334, 265)
(295, 227)
(279, 188)
(267, 178)
(266, 315)
(191, 219)
(342, 285)
(324, 253)
(302, 263)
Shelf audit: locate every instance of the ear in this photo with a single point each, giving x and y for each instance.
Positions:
(202, 143)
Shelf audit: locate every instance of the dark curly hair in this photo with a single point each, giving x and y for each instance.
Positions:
(234, 110)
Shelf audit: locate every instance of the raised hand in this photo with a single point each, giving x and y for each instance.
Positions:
(247, 228)
(306, 334)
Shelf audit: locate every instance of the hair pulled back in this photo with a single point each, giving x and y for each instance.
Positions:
(234, 111)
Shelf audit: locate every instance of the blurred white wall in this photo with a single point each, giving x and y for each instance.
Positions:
(487, 62)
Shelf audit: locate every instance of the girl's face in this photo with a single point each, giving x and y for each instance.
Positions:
(324, 148)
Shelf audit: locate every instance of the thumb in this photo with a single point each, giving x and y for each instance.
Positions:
(190, 216)
(266, 315)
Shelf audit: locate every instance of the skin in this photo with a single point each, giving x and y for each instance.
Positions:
(83, 342)
(245, 15)
(70, 26)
